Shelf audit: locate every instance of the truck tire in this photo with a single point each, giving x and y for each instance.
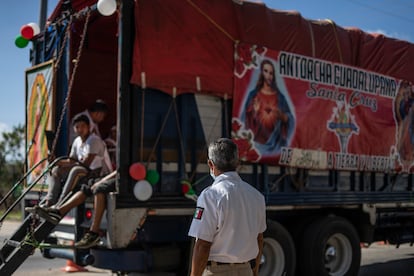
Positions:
(330, 247)
(279, 254)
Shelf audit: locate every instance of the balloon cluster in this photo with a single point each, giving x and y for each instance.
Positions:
(187, 188)
(27, 32)
(145, 179)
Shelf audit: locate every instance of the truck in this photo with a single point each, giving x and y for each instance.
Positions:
(330, 148)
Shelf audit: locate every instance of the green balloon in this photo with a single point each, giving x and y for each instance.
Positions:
(191, 192)
(152, 177)
(21, 42)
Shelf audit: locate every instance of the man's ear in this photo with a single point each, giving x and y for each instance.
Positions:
(210, 163)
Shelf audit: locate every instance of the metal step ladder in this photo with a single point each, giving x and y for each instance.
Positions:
(15, 251)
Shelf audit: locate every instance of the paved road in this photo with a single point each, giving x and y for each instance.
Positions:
(36, 265)
(377, 260)
(387, 260)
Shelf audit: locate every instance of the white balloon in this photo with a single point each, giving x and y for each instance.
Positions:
(142, 190)
(106, 7)
(35, 27)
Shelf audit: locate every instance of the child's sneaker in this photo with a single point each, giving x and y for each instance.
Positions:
(89, 240)
(31, 210)
(50, 214)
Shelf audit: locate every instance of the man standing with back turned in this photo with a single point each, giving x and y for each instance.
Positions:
(229, 220)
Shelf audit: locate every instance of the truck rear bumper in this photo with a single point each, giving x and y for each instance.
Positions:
(122, 260)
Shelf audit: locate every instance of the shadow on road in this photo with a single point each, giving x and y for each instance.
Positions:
(403, 267)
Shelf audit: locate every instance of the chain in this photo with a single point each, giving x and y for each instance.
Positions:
(60, 54)
(55, 68)
(72, 77)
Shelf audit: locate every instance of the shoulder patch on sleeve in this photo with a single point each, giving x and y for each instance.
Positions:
(198, 213)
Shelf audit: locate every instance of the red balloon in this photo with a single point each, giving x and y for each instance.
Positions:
(27, 31)
(185, 188)
(137, 171)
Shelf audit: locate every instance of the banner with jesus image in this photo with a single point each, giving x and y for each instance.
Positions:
(299, 111)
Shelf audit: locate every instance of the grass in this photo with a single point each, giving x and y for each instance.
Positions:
(16, 214)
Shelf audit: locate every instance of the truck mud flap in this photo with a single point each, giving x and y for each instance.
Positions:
(122, 260)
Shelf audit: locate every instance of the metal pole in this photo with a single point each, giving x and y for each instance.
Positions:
(125, 95)
(43, 14)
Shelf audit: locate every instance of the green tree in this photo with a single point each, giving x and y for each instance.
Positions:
(13, 144)
(11, 158)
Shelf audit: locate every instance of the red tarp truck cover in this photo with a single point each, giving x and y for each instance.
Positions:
(334, 98)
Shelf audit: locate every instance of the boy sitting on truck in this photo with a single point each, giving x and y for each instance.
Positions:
(87, 158)
(96, 113)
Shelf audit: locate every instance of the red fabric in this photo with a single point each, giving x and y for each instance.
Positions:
(96, 76)
(175, 43)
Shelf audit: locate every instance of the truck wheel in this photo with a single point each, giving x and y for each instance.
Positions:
(330, 247)
(279, 255)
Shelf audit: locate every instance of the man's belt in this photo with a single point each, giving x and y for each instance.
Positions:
(251, 262)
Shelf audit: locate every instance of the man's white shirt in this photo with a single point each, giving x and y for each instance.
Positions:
(230, 213)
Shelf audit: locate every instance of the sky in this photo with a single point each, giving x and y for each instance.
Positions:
(393, 18)
(13, 60)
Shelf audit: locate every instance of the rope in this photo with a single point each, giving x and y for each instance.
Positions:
(221, 29)
(312, 39)
(159, 134)
(210, 135)
(180, 136)
(338, 46)
(30, 240)
(67, 99)
(55, 67)
(72, 78)
(226, 115)
(60, 54)
(142, 124)
(173, 104)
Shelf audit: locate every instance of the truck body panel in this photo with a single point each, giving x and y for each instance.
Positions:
(176, 75)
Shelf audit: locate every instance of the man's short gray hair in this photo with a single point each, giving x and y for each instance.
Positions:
(224, 154)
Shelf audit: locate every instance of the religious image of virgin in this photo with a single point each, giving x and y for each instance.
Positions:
(267, 114)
